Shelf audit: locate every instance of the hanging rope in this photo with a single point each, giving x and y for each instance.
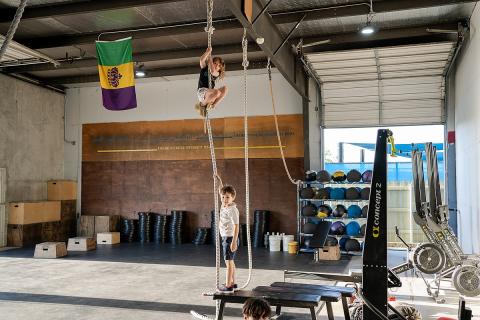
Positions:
(269, 68)
(247, 175)
(13, 27)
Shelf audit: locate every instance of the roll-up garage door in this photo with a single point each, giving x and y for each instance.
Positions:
(402, 85)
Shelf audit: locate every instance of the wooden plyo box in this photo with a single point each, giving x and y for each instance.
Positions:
(81, 244)
(50, 250)
(329, 253)
(107, 224)
(87, 226)
(33, 212)
(22, 235)
(61, 190)
(108, 238)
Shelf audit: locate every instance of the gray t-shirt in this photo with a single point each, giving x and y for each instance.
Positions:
(229, 216)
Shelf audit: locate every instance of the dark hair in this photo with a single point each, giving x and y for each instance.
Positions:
(222, 66)
(256, 308)
(228, 189)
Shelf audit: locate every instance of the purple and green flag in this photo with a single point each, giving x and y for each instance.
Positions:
(115, 66)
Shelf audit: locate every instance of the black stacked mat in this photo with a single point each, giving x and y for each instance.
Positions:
(160, 228)
(128, 230)
(144, 227)
(175, 227)
(213, 228)
(261, 224)
(201, 235)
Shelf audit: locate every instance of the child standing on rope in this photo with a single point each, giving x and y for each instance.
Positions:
(208, 96)
(228, 227)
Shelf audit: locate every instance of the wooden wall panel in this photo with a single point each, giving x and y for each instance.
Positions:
(185, 140)
(128, 187)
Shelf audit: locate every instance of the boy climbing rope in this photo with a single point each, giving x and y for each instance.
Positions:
(208, 96)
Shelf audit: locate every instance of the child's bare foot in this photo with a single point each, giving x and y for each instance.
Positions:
(202, 110)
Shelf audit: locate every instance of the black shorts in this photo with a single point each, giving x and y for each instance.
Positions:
(227, 251)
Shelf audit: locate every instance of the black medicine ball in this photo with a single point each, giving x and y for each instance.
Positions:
(352, 193)
(323, 193)
(339, 176)
(310, 175)
(309, 210)
(331, 242)
(307, 193)
(339, 211)
(352, 245)
(323, 176)
(364, 211)
(363, 229)
(365, 193)
(354, 176)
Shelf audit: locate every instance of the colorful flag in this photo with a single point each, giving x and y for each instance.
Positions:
(115, 66)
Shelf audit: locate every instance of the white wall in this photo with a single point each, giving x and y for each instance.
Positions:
(314, 135)
(467, 124)
(171, 99)
(31, 138)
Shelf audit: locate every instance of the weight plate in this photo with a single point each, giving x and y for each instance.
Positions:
(466, 279)
(429, 258)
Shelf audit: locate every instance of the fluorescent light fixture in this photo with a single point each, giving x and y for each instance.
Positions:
(368, 29)
(140, 73)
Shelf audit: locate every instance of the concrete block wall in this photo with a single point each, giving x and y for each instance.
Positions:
(31, 138)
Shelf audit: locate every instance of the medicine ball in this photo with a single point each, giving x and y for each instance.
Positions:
(310, 175)
(339, 211)
(307, 193)
(365, 193)
(339, 176)
(354, 211)
(352, 193)
(354, 176)
(331, 242)
(324, 211)
(352, 245)
(352, 229)
(309, 228)
(337, 228)
(367, 176)
(337, 193)
(323, 193)
(363, 229)
(309, 210)
(342, 242)
(323, 176)
(364, 211)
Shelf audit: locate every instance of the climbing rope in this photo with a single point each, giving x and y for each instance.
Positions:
(247, 175)
(13, 27)
(295, 182)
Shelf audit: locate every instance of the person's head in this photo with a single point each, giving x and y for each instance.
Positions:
(256, 309)
(219, 66)
(228, 194)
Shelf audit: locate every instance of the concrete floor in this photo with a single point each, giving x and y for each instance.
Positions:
(131, 281)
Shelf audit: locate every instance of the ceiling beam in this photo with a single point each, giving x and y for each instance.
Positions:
(137, 57)
(382, 38)
(160, 72)
(71, 8)
(197, 26)
(274, 44)
(356, 9)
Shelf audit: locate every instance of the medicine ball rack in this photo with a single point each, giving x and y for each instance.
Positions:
(301, 220)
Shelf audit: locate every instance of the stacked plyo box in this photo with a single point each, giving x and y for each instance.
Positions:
(90, 226)
(54, 220)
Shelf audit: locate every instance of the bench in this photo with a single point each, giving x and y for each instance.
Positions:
(346, 292)
(281, 297)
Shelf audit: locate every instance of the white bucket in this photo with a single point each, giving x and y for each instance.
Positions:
(286, 239)
(274, 242)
